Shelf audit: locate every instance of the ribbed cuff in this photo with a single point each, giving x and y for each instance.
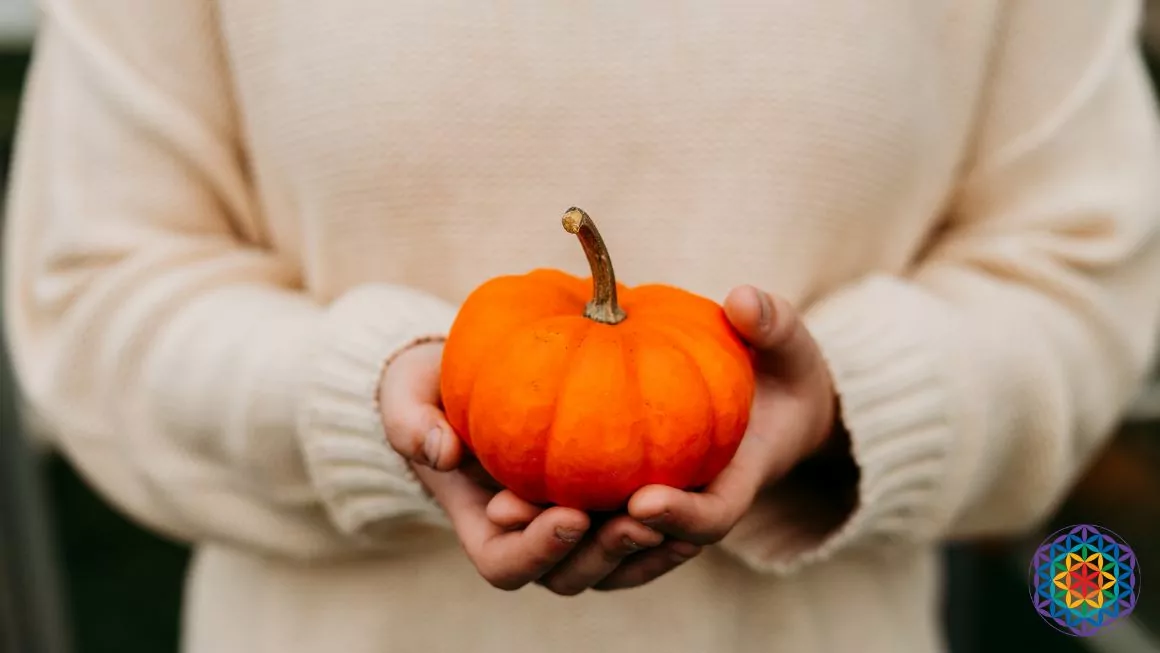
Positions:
(882, 342)
(367, 489)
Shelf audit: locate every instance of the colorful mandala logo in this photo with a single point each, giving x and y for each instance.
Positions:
(1084, 578)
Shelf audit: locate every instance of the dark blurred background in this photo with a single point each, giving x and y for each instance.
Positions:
(77, 576)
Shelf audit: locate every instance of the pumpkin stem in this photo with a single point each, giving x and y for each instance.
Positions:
(603, 307)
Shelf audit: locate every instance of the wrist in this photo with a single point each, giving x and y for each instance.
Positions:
(835, 440)
(427, 346)
(836, 444)
(418, 347)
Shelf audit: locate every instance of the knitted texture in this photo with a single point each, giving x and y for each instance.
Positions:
(226, 218)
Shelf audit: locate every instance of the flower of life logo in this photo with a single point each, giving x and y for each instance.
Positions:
(1084, 578)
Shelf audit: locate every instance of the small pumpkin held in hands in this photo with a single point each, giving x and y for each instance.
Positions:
(579, 392)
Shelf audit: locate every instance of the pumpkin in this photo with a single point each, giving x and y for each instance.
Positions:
(578, 392)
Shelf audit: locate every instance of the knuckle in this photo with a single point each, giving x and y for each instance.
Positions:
(406, 440)
(405, 446)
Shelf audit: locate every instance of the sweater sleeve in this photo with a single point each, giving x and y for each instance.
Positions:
(174, 354)
(976, 386)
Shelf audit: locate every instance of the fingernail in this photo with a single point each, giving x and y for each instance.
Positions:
(432, 445)
(631, 545)
(765, 315)
(568, 535)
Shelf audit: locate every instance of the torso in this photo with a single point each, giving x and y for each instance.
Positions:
(786, 144)
(792, 145)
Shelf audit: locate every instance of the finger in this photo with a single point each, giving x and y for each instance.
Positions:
(600, 555)
(705, 517)
(459, 496)
(650, 565)
(420, 433)
(510, 560)
(409, 403)
(509, 512)
(415, 426)
(507, 560)
(772, 326)
(765, 322)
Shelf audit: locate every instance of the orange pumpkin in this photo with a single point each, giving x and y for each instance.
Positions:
(579, 392)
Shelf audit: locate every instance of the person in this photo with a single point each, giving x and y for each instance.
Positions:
(239, 232)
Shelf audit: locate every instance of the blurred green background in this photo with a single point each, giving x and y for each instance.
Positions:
(122, 585)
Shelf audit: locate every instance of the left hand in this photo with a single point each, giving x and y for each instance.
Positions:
(793, 414)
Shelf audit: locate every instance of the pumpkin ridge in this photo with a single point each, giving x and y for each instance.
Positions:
(554, 403)
(631, 364)
(679, 340)
(525, 303)
(704, 324)
(560, 281)
(549, 492)
(502, 348)
(726, 346)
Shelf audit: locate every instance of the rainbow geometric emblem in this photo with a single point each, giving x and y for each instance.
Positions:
(1084, 578)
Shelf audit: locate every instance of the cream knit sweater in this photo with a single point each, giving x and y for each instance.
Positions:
(226, 216)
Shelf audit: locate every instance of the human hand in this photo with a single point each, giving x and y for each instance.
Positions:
(511, 542)
(618, 553)
(411, 410)
(416, 428)
(793, 412)
(793, 415)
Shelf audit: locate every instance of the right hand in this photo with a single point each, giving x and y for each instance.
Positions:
(508, 558)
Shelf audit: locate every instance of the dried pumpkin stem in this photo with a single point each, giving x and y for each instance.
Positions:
(603, 307)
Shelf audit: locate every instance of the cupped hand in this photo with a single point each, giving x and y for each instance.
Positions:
(793, 416)
(511, 542)
(618, 553)
(417, 429)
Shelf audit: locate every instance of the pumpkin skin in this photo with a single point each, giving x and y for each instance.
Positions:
(566, 410)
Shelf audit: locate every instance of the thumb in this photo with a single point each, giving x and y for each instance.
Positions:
(772, 326)
(441, 448)
(419, 431)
